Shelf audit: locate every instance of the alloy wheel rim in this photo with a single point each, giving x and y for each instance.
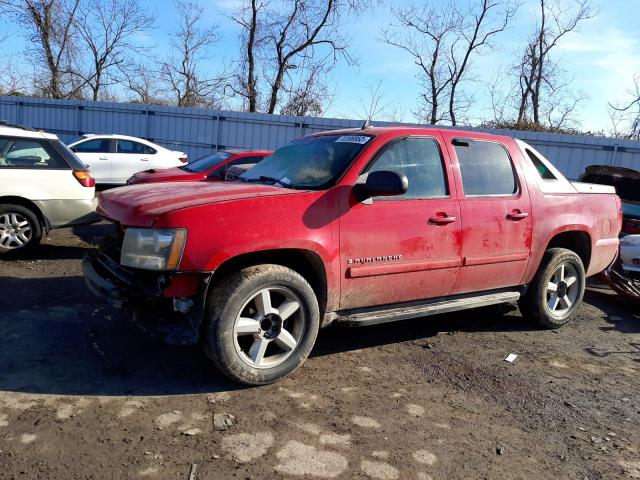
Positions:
(269, 327)
(15, 231)
(562, 290)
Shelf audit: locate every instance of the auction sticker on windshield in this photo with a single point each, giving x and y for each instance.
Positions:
(361, 139)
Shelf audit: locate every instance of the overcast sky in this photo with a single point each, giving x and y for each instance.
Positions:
(602, 57)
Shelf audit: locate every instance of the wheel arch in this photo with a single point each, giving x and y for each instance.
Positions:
(578, 241)
(307, 263)
(24, 202)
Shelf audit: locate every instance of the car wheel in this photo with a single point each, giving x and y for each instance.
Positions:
(261, 324)
(557, 289)
(20, 229)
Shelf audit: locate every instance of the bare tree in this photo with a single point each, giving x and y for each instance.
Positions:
(310, 95)
(476, 34)
(191, 45)
(279, 38)
(143, 81)
(424, 33)
(374, 105)
(12, 78)
(538, 73)
(248, 17)
(501, 103)
(442, 40)
(50, 28)
(295, 34)
(110, 29)
(628, 112)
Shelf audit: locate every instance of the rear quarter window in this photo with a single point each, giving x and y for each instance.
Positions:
(70, 158)
(486, 169)
(541, 168)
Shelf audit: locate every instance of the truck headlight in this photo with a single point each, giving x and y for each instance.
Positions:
(153, 248)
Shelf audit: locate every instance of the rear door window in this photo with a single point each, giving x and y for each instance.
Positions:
(420, 160)
(98, 145)
(28, 153)
(127, 146)
(486, 169)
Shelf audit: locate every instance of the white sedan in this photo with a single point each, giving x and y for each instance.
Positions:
(112, 159)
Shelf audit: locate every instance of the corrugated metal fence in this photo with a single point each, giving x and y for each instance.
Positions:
(198, 131)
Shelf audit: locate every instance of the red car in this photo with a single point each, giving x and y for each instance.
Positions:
(355, 226)
(210, 167)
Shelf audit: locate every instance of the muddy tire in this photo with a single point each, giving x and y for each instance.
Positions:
(557, 289)
(20, 229)
(260, 324)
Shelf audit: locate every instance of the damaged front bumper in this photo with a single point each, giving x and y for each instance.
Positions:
(168, 305)
(119, 286)
(124, 287)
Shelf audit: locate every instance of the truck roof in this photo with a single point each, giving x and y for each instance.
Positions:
(375, 131)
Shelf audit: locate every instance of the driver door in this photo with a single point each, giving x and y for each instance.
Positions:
(97, 154)
(407, 247)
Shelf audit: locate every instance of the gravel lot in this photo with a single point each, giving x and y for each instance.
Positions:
(86, 394)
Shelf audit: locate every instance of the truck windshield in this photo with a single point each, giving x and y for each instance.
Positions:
(205, 163)
(312, 163)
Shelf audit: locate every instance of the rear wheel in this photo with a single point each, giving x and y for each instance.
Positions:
(262, 324)
(20, 229)
(557, 289)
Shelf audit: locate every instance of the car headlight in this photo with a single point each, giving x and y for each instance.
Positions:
(153, 248)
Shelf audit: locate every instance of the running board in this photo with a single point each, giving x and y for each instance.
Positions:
(425, 309)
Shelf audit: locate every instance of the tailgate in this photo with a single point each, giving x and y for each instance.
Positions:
(592, 188)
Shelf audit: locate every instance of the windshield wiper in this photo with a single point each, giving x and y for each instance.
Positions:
(265, 178)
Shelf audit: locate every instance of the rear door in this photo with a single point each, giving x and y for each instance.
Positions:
(404, 248)
(132, 157)
(97, 153)
(495, 210)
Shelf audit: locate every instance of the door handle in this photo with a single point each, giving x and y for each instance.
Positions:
(441, 219)
(103, 158)
(517, 215)
(144, 159)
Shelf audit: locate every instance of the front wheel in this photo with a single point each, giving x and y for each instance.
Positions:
(19, 229)
(261, 324)
(557, 289)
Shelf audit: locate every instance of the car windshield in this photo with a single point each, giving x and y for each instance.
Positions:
(206, 163)
(312, 163)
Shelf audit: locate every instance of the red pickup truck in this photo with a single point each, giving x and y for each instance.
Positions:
(359, 226)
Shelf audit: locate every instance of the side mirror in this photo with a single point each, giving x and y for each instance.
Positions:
(73, 149)
(382, 183)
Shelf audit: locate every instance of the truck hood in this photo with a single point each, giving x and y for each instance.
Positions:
(167, 175)
(140, 205)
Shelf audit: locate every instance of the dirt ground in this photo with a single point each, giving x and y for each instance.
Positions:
(85, 394)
